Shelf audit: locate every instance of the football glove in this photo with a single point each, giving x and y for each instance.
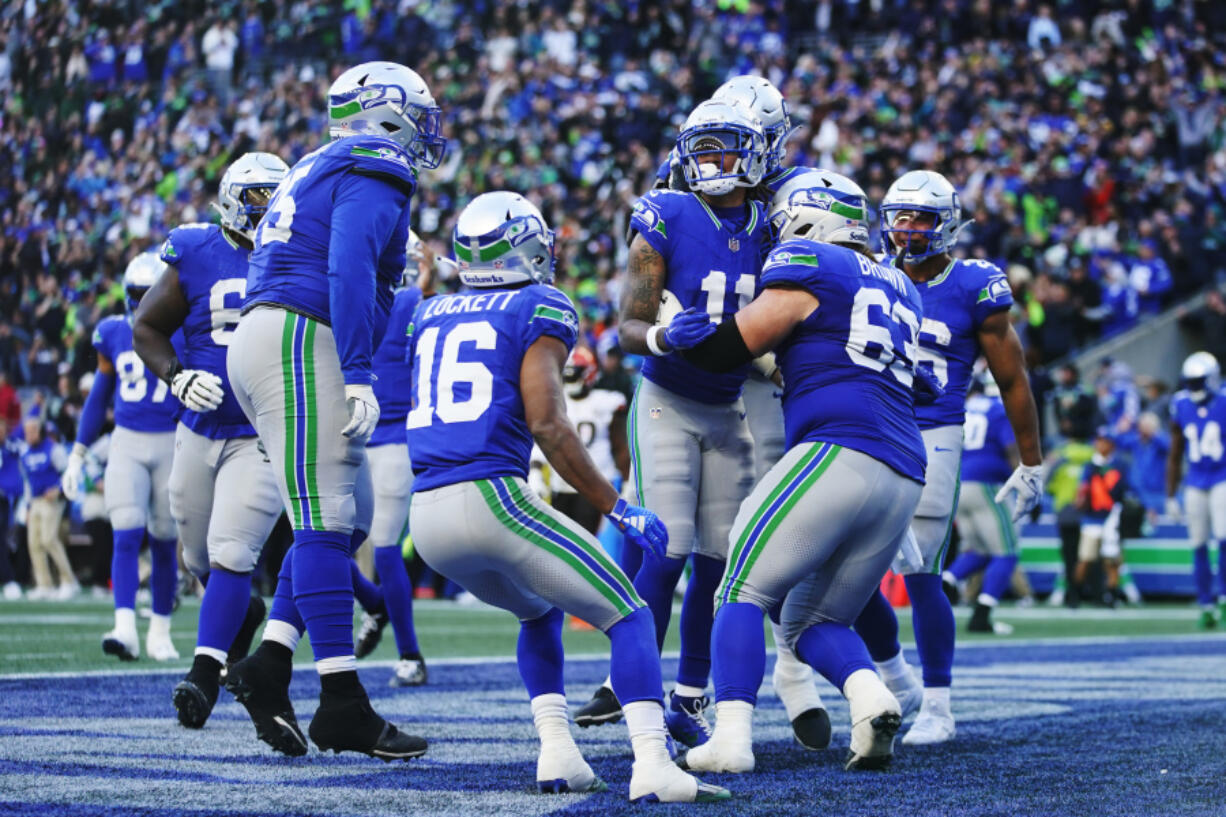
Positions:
(1027, 484)
(641, 526)
(363, 411)
(197, 390)
(926, 387)
(72, 481)
(688, 328)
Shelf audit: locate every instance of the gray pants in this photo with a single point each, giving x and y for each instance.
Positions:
(934, 518)
(824, 524)
(984, 526)
(764, 413)
(1206, 513)
(224, 499)
(692, 464)
(501, 543)
(136, 481)
(287, 379)
(392, 475)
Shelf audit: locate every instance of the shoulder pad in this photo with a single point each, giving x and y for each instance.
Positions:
(182, 239)
(379, 157)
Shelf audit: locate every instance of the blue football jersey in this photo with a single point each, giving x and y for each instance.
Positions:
(392, 385)
(709, 267)
(986, 440)
(467, 420)
(143, 401)
(1202, 438)
(848, 368)
(213, 278)
(332, 244)
(956, 303)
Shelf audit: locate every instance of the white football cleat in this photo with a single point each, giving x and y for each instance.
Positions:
(719, 755)
(157, 640)
(559, 772)
(666, 783)
(12, 591)
(907, 689)
(875, 720)
(932, 726)
(122, 643)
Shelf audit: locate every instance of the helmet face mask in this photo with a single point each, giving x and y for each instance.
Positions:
(721, 147)
(1200, 376)
(389, 100)
(921, 216)
(245, 190)
(764, 100)
(502, 239)
(820, 206)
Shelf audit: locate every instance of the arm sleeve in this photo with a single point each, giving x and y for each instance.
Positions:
(93, 413)
(365, 213)
(724, 351)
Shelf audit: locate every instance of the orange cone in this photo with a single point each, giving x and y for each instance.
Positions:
(895, 590)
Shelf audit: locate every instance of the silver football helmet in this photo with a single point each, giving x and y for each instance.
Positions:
(758, 95)
(821, 206)
(250, 173)
(1200, 375)
(920, 191)
(500, 239)
(387, 99)
(714, 131)
(142, 272)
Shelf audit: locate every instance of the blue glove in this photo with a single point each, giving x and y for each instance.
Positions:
(926, 387)
(688, 328)
(643, 527)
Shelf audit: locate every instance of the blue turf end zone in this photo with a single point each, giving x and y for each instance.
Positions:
(1107, 727)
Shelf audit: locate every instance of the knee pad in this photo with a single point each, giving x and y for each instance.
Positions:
(128, 517)
(236, 557)
(197, 561)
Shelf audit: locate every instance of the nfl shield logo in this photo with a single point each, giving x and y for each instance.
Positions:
(655, 413)
(733, 244)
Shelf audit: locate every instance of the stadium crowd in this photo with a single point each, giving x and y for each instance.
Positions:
(1086, 137)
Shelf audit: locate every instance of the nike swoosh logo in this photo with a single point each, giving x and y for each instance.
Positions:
(938, 448)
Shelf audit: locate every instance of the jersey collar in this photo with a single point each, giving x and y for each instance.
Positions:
(719, 225)
(944, 274)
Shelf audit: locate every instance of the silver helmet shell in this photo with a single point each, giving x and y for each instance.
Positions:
(1200, 375)
(500, 239)
(920, 191)
(142, 272)
(820, 205)
(764, 100)
(389, 100)
(714, 131)
(251, 171)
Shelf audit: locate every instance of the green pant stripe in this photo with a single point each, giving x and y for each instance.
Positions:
(311, 466)
(562, 525)
(1002, 519)
(735, 555)
(777, 518)
(949, 526)
(519, 529)
(636, 460)
(291, 408)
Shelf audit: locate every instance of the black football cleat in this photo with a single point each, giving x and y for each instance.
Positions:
(246, 633)
(603, 708)
(350, 724)
(261, 685)
(370, 633)
(812, 729)
(195, 696)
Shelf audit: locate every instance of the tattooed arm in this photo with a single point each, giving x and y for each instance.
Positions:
(640, 296)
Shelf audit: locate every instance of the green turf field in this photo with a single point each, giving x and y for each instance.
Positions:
(37, 637)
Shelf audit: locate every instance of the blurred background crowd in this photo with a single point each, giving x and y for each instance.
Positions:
(1086, 137)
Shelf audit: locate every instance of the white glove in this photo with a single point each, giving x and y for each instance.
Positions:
(1173, 510)
(363, 412)
(72, 481)
(1027, 482)
(197, 389)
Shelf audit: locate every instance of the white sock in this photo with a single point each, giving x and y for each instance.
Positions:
(645, 723)
(125, 619)
(893, 669)
(936, 700)
(861, 689)
(282, 632)
(687, 692)
(341, 663)
(552, 721)
(734, 722)
(986, 600)
(159, 625)
(608, 683)
(212, 652)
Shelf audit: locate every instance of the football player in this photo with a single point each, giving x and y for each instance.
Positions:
(823, 525)
(1198, 415)
(692, 454)
(222, 493)
(989, 540)
(965, 314)
(487, 381)
(390, 472)
(137, 471)
(319, 289)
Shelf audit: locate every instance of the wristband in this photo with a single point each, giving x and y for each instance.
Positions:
(653, 342)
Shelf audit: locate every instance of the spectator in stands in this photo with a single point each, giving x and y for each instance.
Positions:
(1075, 406)
(1100, 498)
(1145, 448)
